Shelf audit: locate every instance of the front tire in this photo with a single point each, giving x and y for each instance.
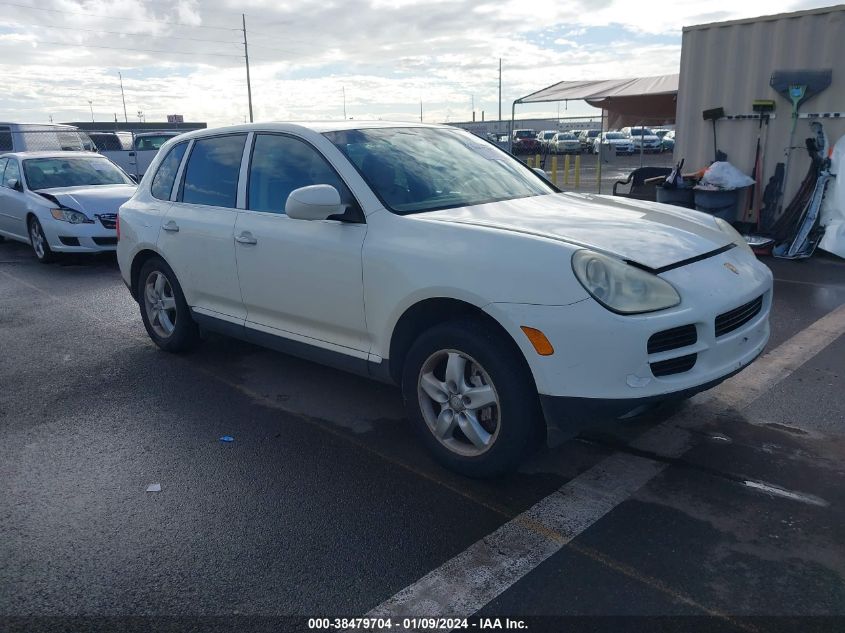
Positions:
(471, 398)
(39, 244)
(164, 310)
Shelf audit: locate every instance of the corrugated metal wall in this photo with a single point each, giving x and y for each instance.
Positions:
(729, 65)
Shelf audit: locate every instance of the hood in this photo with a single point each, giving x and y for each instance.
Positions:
(647, 233)
(617, 141)
(648, 138)
(90, 199)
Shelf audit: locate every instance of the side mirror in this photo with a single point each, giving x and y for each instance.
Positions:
(15, 184)
(540, 172)
(316, 202)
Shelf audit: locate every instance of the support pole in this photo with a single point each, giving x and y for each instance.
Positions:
(500, 89)
(554, 169)
(598, 153)
(122, 96)
(246, 57)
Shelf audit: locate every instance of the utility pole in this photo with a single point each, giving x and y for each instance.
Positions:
(500, 89)
(421, 111)
(473, 107)
(246, 56)
(344, 102)
(122, 96)
(91, 105)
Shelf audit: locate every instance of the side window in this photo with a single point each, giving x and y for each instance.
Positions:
(211, 175)
(281, 164)
(13, 171)
(151, 142)
(163, 181)
(2, 168)
(5, 139)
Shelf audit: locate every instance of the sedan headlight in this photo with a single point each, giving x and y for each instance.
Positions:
(620, 287)
(732, 233)
(69, 215)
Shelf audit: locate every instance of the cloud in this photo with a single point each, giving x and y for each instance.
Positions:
(387, 54)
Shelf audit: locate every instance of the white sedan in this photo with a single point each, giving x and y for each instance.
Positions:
(61, 202)
(424, 256)
(565, 143)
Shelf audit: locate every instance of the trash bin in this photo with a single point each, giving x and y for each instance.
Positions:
(719, 202)
(678, 196)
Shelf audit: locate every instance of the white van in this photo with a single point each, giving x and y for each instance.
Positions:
(42, 137)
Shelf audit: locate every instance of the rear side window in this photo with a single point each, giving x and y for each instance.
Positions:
(211, 175)
(163, 181)
(281, 164)
(5, 139)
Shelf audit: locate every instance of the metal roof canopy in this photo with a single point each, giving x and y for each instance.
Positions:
(627, 101)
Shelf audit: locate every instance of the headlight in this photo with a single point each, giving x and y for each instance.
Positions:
(69, 215)
(732, 233)
(620, 287)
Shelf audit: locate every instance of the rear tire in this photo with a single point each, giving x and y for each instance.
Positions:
(471, 398)
(164, 310)
(38, 241)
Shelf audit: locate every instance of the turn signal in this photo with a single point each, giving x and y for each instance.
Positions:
(541, 344)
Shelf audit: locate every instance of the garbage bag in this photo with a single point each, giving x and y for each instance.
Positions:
(833, 207)
(723, 175)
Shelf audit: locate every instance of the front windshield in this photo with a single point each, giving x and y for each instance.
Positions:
(567, 137)
(524, 134)
(47, 173)
(413, 170)
(547, 135)
(641, 131)
(614, 135)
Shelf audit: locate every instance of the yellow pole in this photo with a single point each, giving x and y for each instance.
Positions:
(566, 169)
(577, 170)
(554, 169)
(530, 161)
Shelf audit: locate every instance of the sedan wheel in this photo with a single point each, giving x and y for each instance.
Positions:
(39, 243)
(459, 402)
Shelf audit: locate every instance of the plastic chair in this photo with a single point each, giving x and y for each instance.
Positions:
(640, 190)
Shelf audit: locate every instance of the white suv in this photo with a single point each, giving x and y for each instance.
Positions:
(425, 256)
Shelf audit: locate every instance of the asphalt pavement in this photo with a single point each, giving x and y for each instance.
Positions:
(727, 513)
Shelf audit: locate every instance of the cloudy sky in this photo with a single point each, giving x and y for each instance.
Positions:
(186, 56)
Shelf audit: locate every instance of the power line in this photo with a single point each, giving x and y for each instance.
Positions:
(113, 17)
(172, 37)
(137, 50)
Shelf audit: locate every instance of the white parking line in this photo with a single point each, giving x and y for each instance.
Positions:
(476, 576)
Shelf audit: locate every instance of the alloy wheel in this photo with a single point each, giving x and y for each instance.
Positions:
(37, 239)
(459, 402)
(160, 304)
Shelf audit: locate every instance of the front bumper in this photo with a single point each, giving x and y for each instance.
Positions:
(602, 368)
(64, 237)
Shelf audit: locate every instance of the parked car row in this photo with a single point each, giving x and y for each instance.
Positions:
(629, 140)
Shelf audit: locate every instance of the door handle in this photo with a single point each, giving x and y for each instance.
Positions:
(246, 238)
(171, 226)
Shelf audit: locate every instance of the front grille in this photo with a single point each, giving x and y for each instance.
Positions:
(108, 220)
(673, 365)
(672, 339)
(736, 318)
(105, 241)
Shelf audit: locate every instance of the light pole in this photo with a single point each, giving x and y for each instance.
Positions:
(91, 105)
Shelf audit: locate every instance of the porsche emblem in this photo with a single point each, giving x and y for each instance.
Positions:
(731, 268)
